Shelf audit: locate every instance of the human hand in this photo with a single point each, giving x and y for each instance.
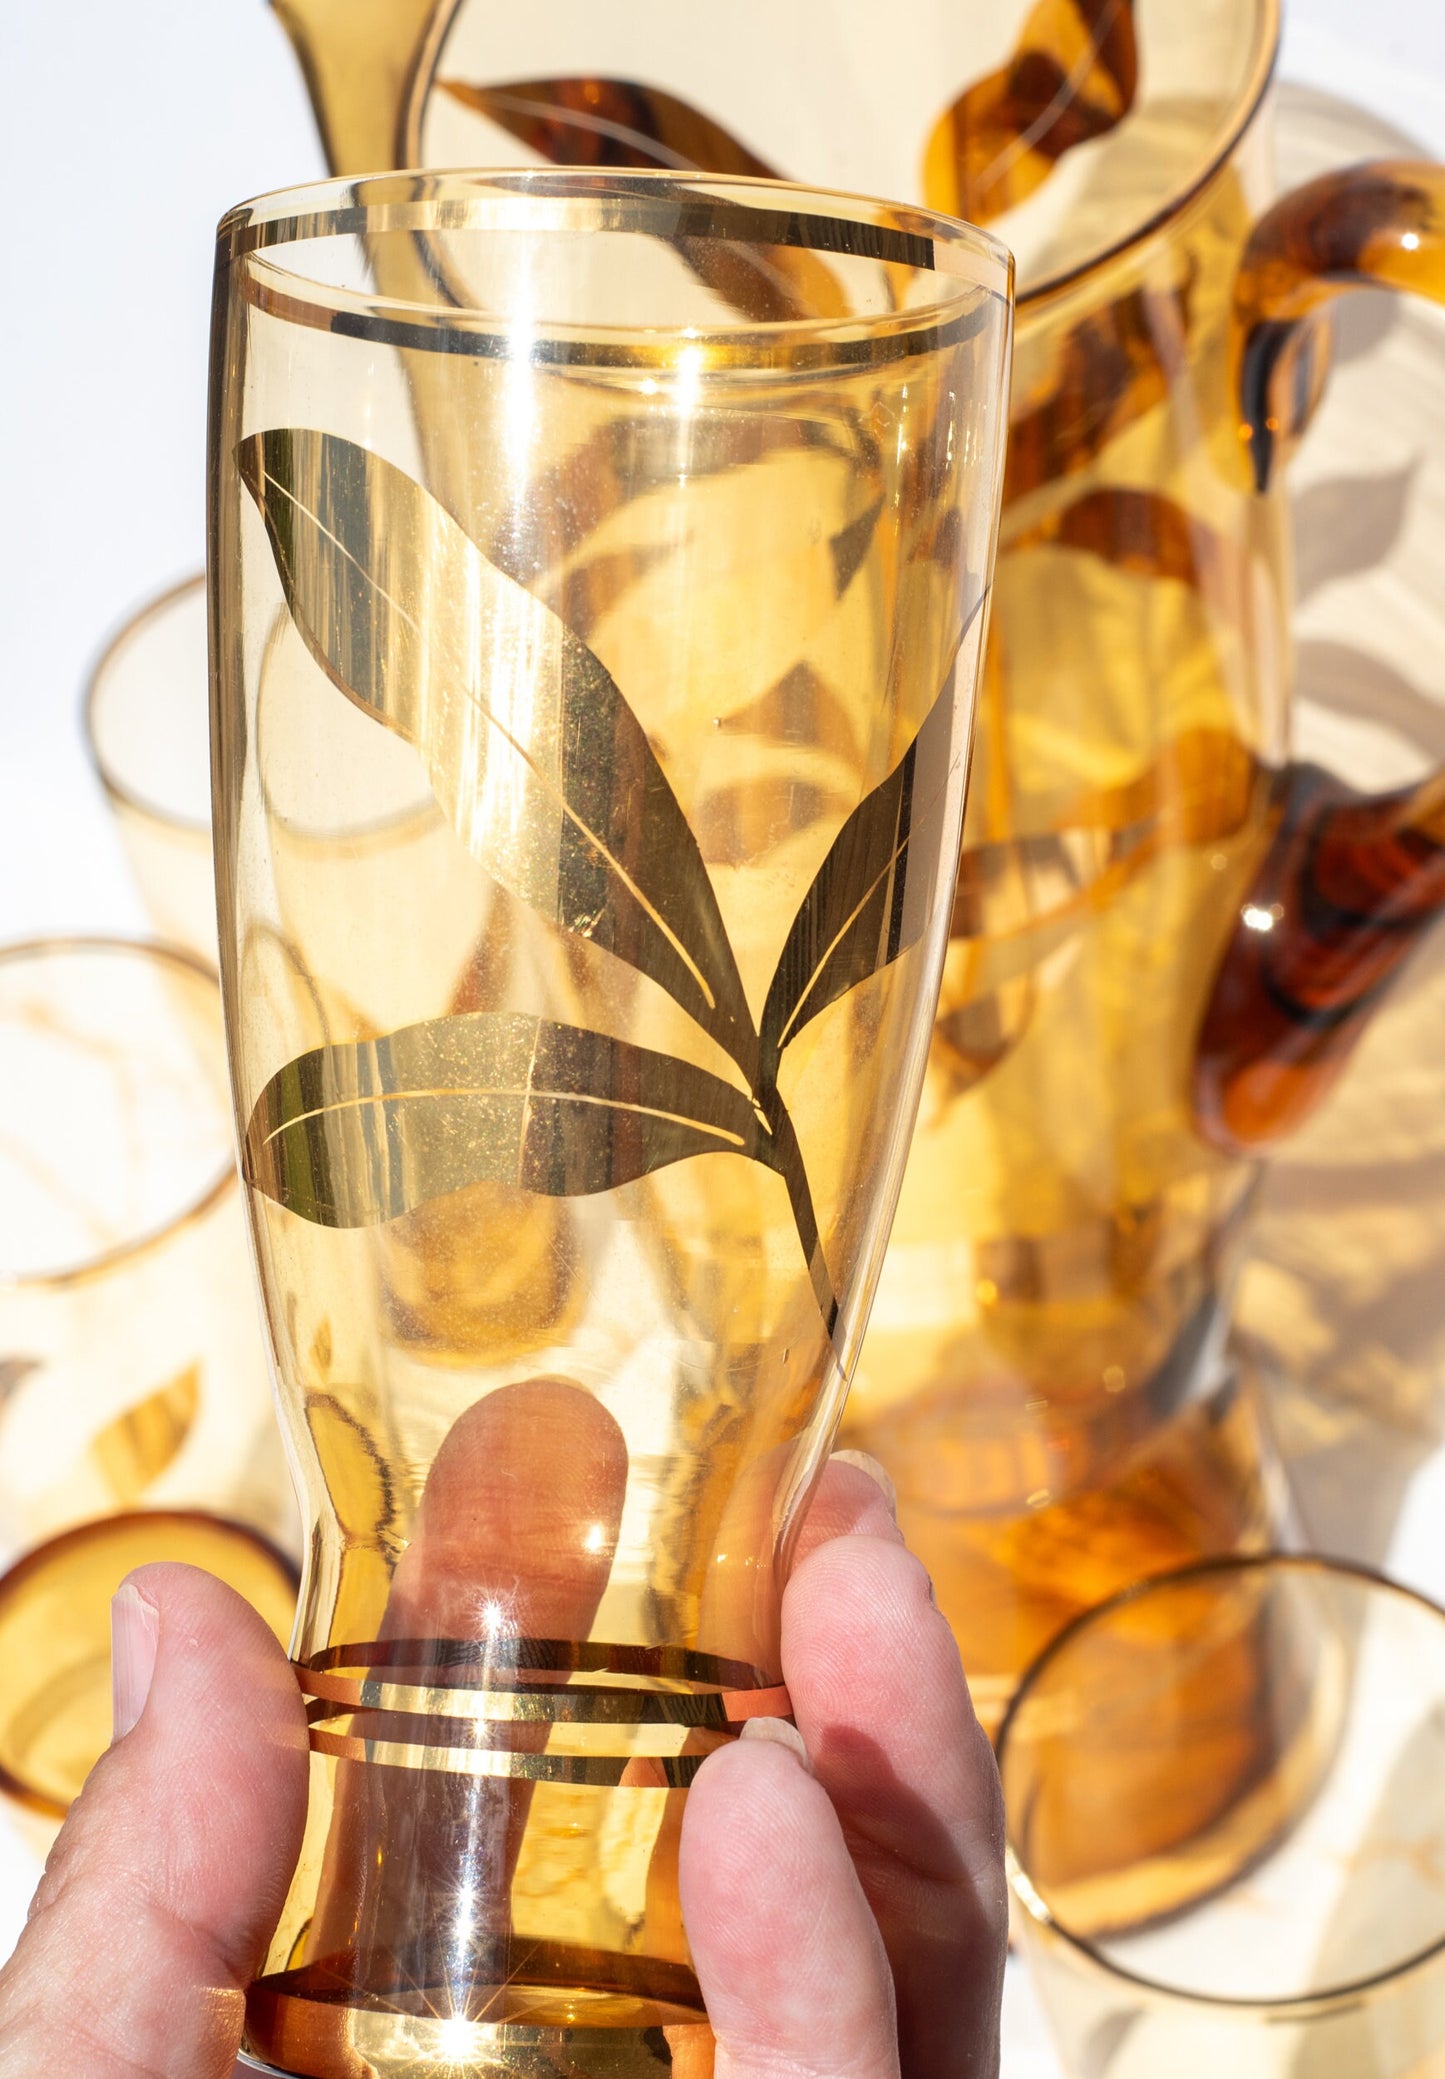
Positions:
(846, 1914)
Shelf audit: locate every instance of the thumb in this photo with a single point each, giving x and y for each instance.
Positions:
(165, 1884)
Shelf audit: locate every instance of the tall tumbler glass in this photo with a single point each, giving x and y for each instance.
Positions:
(593, 672)
(134, 1414)
(145, 727)
(1215, 1872)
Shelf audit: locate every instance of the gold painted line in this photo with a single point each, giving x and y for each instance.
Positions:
(616, 1104)
(704, 1710)
(532, 1657)
(601, 1772)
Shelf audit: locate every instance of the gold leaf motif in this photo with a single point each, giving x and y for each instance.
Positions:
(134, 1450)
(872, 896)
(549, 779)
(351, 1135)
(536, 758)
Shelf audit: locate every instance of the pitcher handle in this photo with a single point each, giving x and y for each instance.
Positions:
(1349, 881)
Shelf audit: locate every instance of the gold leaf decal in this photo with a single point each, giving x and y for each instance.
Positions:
(356, 1134)
(872, 896)
(134, 1450)
(546, 774)
(1073, 77)
(544, 771)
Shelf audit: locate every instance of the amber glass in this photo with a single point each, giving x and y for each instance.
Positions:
(146, 726)
(55, 1686)
(1166, 936)
(132, 1371)
(1341, 1288)
(1214, 1873)
(594, 675)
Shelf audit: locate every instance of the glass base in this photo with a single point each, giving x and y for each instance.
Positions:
(532, 2032)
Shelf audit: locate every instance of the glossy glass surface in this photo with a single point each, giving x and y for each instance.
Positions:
(600, 567)
(55, 1684)
(1341, 1293)
(146, 725)
(1165, 936)
(1061, 124)
(132, 1373)
(1225, 1806)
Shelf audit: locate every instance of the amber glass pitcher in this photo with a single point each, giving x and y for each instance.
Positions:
(1166, 935)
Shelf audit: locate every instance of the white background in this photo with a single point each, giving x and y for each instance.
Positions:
(130, 125)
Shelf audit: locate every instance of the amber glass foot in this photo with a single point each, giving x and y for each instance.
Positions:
(1205, 1484)
(489, 1883)
(545, 2024)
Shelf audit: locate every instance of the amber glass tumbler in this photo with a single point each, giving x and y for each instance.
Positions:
(593, 678)
(135, 1415)
(145, 719)
(1225, 1795)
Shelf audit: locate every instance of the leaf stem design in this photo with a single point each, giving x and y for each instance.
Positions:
(550, 781)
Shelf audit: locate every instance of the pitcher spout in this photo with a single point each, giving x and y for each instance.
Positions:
(366, 64)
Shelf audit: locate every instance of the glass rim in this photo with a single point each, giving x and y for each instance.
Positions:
(1031, 1901)
(1233, 124)
(150, 951)
(905, 233)
(131, 629)
(95, 1529)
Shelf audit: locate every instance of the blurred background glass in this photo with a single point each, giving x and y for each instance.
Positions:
(1226, 1800)
(147, 722)
(1365, 1457)
(132, 1372)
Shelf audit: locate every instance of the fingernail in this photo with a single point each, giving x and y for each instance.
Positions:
(134, 1629)
(866, 1463)
(783, 1733)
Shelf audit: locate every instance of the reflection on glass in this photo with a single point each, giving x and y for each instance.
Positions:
(55, 1701)
(1226, 1797)
(1045, 1368)
(595, 685)
(147, 727)
(132, 1375)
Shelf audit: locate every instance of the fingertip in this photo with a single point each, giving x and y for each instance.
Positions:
(850, 1501)
(134, 1635)
(876, 1471)
(879, 1694)
(864, 1643)
(783, 1733)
